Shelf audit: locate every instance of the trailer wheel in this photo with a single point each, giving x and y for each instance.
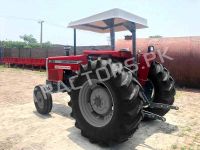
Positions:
(42, 100)
(160, 88)
(106, 111)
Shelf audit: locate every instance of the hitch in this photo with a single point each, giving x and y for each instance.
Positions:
(163, 106)
(159, 106)
(153, 116)
(148, 103)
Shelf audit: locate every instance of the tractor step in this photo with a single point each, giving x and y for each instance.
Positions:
(163, 106)
(153, 116)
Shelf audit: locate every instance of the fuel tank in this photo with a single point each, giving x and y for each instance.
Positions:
(185, 51)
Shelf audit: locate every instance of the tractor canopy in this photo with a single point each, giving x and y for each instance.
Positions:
(102, 23)
(110, 21)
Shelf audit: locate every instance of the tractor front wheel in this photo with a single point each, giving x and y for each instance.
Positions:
(42, 100)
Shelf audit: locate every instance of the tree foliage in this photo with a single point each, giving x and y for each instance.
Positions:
(17, 44)
(29, 39)
(13, 44)
(28, 42)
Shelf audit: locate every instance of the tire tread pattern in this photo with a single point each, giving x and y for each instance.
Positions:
(129, 111)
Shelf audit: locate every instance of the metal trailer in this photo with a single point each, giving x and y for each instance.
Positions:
(1, 55)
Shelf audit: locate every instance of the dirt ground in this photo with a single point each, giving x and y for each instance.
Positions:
(21, 127)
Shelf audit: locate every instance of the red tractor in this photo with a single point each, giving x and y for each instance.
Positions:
(111, 91)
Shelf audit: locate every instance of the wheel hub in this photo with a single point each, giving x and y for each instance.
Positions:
(39, 99)
(100, 101)
(96, 103)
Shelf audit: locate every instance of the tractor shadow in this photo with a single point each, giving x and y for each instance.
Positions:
(42, 116)
(146, 130)
(59, 109)
(62, 110)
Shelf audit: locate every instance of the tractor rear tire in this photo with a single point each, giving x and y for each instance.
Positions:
(42, 100)
(164, 87)
(122, 98)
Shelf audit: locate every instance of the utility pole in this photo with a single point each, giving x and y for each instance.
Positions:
(41, 31)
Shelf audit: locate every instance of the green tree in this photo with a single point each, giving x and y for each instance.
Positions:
(28, 42)
(13, 44)
(28, 39)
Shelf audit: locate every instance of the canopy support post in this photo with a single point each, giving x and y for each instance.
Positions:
(132, 28)
(74, 42)
(110, 24)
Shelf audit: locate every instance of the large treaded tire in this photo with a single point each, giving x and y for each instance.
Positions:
(128, 105)
(164, 86)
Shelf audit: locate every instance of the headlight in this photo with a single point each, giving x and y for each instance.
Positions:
(150, 49)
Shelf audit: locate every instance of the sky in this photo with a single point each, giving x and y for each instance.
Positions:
(168, 18)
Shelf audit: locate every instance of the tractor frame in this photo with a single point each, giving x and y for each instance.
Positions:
(135, 80)
(60, 69)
